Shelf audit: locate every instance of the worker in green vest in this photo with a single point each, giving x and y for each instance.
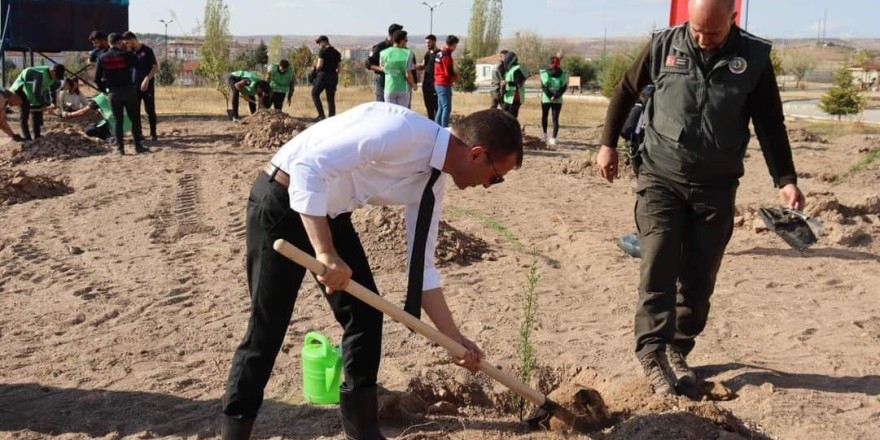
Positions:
(248, 84)
(280, 77)
(514, 85)
(34, 87)
(102, 129)
(554, 83)
(397, 64)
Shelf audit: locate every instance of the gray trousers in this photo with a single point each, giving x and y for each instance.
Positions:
(379, 84)
(683, 231)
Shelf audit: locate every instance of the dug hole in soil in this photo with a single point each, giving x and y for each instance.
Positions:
(18, 187)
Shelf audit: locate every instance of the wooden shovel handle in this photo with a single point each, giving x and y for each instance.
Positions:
(374, 300)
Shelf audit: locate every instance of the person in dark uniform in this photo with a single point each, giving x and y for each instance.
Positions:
(146, 67)
(427, 65)
(710, 79)
(375, 153)
(100, 45)
(326, 77)
(497, 80)
(116, 74)
(34, 87)
(373, 61)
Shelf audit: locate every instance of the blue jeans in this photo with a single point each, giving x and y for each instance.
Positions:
(444, 105)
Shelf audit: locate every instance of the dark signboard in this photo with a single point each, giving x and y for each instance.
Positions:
(60, 25)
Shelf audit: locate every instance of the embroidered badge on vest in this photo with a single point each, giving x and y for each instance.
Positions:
(738, 65)
(679, 62)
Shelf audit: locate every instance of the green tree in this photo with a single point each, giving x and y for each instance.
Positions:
(579, 66)
(531, 50)
(861, 57)
(214, 63)
(484, 29)
(301, 61)
(799, 63)
(612, 69)
(467, 74)
(261, 54)
(275, 50)
(842, 99)
(167, 72)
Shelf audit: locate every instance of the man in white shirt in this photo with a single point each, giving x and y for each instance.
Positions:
(378, 154)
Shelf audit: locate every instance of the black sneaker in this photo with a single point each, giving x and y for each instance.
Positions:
(683, 373)
(140, 149)
(120, 152)
(659, 373)
(154, 138)
(318, 119)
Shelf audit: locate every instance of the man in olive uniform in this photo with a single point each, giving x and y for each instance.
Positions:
(34, 87)
(711, 78)
(497, 79)
(280, 77)
(254, 90)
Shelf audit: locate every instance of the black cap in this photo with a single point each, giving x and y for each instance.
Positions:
(322, 39)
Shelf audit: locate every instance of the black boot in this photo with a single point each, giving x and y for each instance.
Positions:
(236, 428)
(360, 414)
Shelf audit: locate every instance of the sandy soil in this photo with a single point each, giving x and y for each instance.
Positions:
(123, 297)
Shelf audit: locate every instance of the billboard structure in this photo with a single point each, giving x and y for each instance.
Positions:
(59, 25)
(678, 12)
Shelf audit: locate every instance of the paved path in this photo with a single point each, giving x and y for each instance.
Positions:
(810, 109)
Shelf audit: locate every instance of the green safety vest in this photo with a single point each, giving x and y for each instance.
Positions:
(393, 61)
(106, 113)
(29, 91)
(280, 82)
(554, 83)
(509, 91)
(251, 88)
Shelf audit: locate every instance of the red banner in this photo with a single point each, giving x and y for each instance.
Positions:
(678, 12)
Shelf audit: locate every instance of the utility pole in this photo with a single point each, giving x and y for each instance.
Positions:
(825, 27)
(166, 23)
(746, 16)
(605, 41)
(431, 7)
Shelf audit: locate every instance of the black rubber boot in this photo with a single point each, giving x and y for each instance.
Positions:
(236, 428)
(360, 414)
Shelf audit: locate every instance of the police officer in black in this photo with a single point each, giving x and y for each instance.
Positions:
(326, 77)
(115, 74)
(146, 68)
(373, 61)
(429, 93)
(711, 78)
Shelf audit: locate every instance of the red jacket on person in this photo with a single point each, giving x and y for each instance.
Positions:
(444, 68)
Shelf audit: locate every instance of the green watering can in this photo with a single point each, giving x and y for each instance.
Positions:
(321, 370)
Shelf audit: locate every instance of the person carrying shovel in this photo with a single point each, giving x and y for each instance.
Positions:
(376, 153)
(34, 87)
(257, 92)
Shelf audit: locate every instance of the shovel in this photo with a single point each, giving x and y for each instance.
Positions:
(549, 407)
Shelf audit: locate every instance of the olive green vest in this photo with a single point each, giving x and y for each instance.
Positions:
(554, 83)
(280, 82)
(107, 114)
(699, 116)
(28, 89)
(393, 61)
(509, 91)
(251, 88)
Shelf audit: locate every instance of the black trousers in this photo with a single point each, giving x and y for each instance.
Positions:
(125, 100)
(26, 113)
(148, 98)
(274, 282)
(512, 109)
(546, 107)
(278, 100)
(101, 131)
(683, 231)
(324, 82)
(430, 95)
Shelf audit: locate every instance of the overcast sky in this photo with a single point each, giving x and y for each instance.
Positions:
(551, 18)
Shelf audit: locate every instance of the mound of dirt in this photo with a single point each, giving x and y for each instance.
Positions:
(18, 187)
(269, 129)
(60, 144)
(534, 143)
(802, 135)
(383, 235)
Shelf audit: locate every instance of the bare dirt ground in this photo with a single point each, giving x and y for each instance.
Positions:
(123, 297)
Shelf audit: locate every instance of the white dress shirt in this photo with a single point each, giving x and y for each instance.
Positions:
(374, 154)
